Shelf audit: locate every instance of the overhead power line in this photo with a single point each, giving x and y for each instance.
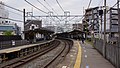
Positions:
(89, 3)
(36, 7)
(11, 7)
(87, 8)
(43, 5)
(60, 5)
(15, 9)
(47, 8)
(13, 12)
(113, 6)
(52, 9)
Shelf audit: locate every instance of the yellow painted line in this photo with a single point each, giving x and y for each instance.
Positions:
(78, 59)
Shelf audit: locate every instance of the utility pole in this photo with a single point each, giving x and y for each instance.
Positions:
(100, 14)
(101, 26)
(104, 44)
(118, 18)
(23, 23)
(118, 66)
(24, 18)
(93, 26)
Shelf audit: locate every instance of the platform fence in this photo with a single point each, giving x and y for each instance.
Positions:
(112, 51)
(12, 43)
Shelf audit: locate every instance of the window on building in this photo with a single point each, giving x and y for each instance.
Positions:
(33, 27)
(6, 21)
(2, 22)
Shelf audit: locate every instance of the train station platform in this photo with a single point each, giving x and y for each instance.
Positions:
(91, 58)
(84, 56)
(70, 59)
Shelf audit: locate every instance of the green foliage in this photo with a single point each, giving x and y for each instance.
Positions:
(89, 42)
(7, 33)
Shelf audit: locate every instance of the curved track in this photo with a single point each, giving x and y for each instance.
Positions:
(23, 60)
(67, 44)
(61, 54)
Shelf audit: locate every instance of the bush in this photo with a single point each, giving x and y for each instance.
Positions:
(7, 33)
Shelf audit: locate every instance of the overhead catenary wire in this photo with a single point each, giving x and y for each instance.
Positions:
(47, 8)
(36, 7)
(60, 6)
(113, 6)
(11, 7)
(89, 3)
(43, 5)
(12, 12)
(109, 9)
(52, 9)
(87, 8)
(15, 9)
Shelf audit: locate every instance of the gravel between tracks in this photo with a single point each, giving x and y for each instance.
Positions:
(40, 61)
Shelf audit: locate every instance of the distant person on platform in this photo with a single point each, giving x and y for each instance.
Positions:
(82, 39)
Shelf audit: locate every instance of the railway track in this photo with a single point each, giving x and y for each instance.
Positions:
(23, 60)
(60, 56)
(49, 64)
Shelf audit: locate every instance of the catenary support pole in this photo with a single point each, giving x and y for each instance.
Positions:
(118, 54)
(104, 44)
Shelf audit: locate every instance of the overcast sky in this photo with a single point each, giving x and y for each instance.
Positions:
(74, 6)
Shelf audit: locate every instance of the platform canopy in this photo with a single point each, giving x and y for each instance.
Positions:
(76, 31)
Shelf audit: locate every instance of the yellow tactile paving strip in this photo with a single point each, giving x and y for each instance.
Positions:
(78, 59)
